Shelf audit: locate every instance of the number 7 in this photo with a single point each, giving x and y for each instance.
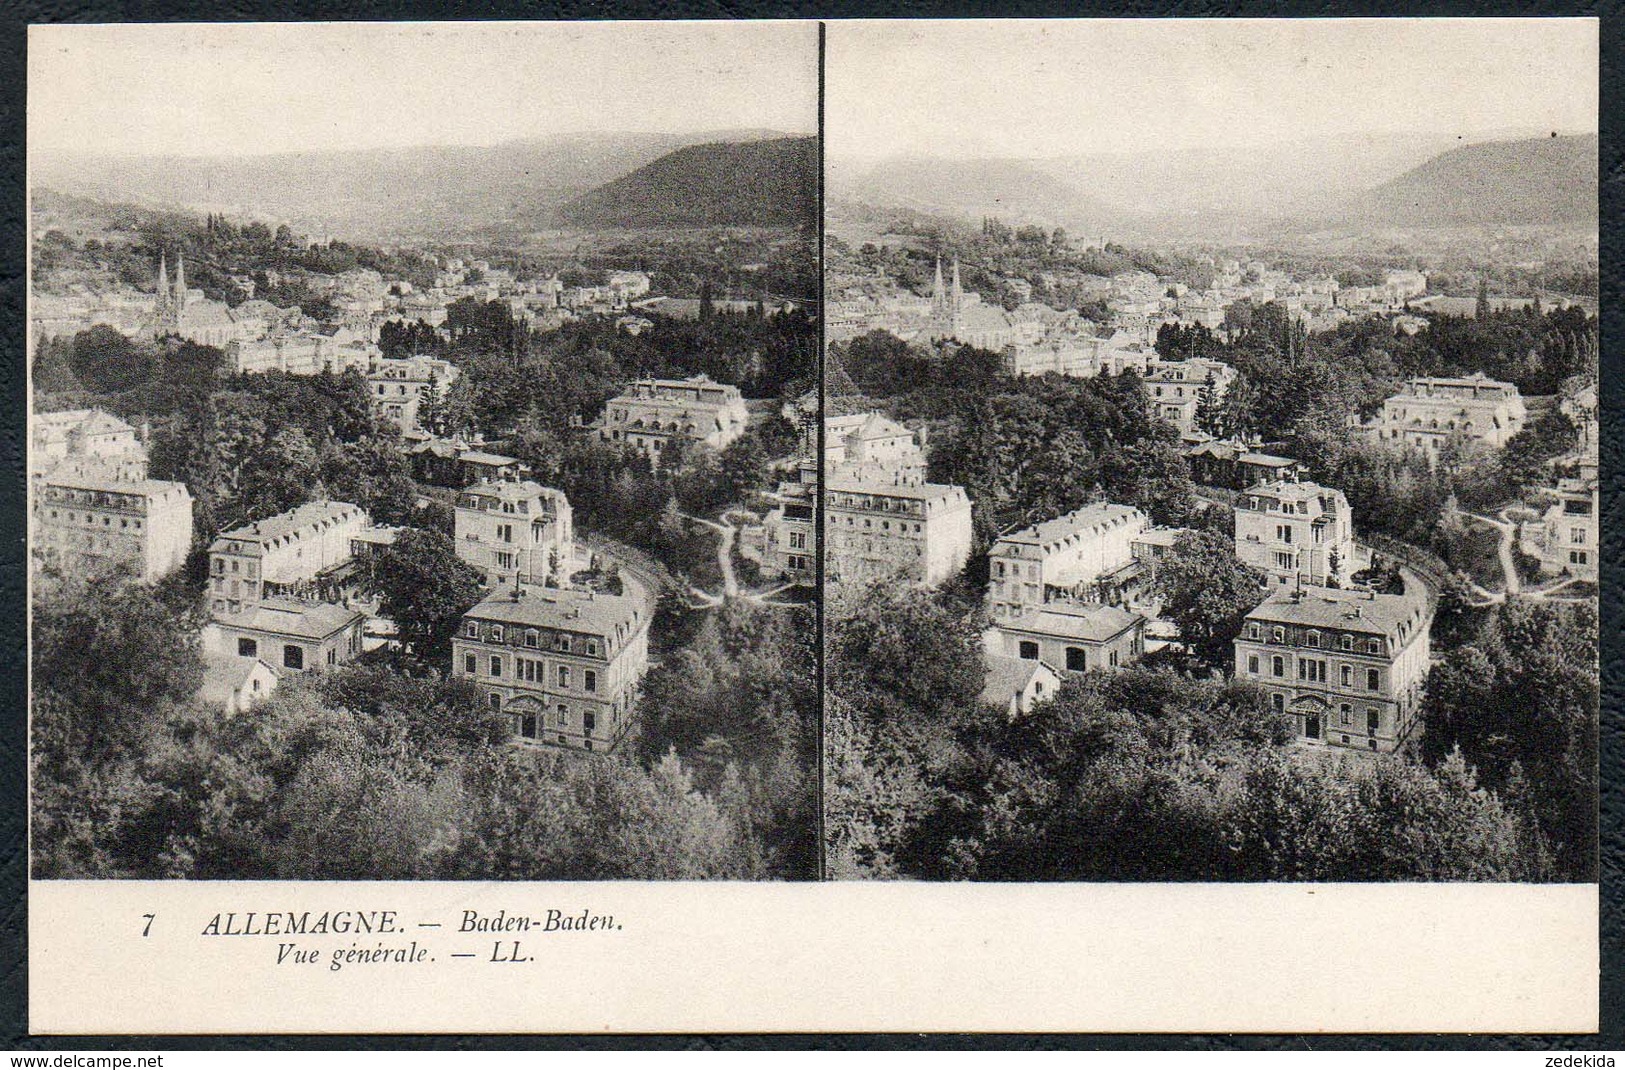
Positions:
(148, 927)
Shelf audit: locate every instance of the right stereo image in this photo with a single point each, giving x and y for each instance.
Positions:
(1210, 451)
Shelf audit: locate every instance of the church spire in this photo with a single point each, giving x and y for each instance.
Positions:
(936, 287)
(180, 281)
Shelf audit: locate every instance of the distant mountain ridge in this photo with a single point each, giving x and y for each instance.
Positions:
(383, 194)
(751, 183)
(1361, 182)
(1014, 190)
(1549, 181)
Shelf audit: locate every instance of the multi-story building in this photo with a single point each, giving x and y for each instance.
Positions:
(305, 353)
(790, 530)
(399, 386)
(1296, 532)
(93, 519)
(1347, 666)
(1072, 638)
(651, 414)
(290, 635)
(84, 433)
(1568, 535)
(294, 553)
(1429, 412)
(1401, 284)
(1177, 389)
(565, 665)
(871, 444)
(902, 530)
(515, 531)
(1063, 558)
(1075, 356)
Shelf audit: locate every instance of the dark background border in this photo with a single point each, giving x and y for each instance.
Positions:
(13, 407)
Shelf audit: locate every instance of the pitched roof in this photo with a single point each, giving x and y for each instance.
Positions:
(224, 673)
(1294, 491)
(1346, 610)
(1096, 516)
(514, 490)
(76, 475)
(884, 489)
(1006, 677)
(1093, 624)
(481, 457)
(284, 616)
(295, 521)
(566, 610)
(864, 425)
(101, 423)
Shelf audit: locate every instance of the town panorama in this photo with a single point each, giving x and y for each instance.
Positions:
(1211, 485)
(440, 512)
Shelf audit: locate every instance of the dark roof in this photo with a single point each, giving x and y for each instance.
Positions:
(1347, 610)
(282, 616)
(565, 610)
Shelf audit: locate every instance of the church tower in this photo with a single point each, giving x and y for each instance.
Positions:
(160, 306)
(938, 298)
(169, 302)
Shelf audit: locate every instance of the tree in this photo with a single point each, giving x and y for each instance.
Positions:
(1522, 695)
(1210, 410)
(1207, 592)
(425, 588)
(53, 366)
(282, 474)
(107, 362)
(113, 655)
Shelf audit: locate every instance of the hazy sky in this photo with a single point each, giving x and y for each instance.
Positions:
(993, 88)
(259, 88)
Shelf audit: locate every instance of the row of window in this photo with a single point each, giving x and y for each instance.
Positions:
(885, 525)
(1311, 638)
(563, 643)
(1311, 670)
(94, 497)
(531, 671)
(107, 522)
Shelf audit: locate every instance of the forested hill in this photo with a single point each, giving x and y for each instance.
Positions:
(1549, 181)
(755, 183)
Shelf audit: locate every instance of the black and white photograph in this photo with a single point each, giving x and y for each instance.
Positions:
(701, 532)
(513, 329)
(1211, 450)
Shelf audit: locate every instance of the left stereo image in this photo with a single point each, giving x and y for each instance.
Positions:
(422, 457)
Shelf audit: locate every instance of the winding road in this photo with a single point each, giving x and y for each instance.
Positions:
(1512, 583)
(727, 535)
